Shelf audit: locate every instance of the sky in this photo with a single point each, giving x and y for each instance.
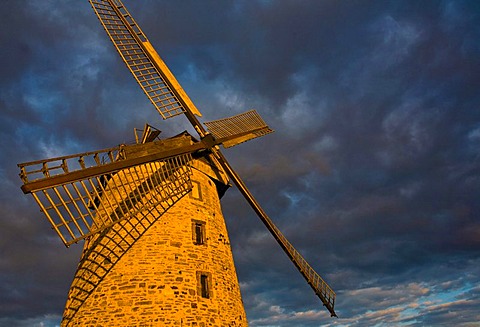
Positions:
(373, 172)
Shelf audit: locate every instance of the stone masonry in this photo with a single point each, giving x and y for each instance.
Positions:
(179, 271)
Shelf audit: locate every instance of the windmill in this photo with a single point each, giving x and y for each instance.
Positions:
(156, 249)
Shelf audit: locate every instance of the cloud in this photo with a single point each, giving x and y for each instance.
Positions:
(372, 173)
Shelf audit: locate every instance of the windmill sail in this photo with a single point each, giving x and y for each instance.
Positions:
(151, 73)
(321, 288)
(79, 207)
(238, 129)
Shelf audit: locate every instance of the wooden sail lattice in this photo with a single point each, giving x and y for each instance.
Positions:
(158, 83)
(77, 209)
(321, 288)
(104, 249)
(46, 168)
(238, 129)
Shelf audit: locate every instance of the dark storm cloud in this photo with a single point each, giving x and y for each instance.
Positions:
(373, 172)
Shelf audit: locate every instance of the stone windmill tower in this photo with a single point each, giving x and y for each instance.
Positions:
(156, 248)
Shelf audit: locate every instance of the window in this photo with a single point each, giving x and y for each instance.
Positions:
(196, 192)
(204, 284)
(199, 234)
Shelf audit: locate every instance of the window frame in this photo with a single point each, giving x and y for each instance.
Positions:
(196, 195)
(199, 232)
(204, 284)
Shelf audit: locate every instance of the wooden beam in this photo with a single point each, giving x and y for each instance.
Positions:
(108, 168)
